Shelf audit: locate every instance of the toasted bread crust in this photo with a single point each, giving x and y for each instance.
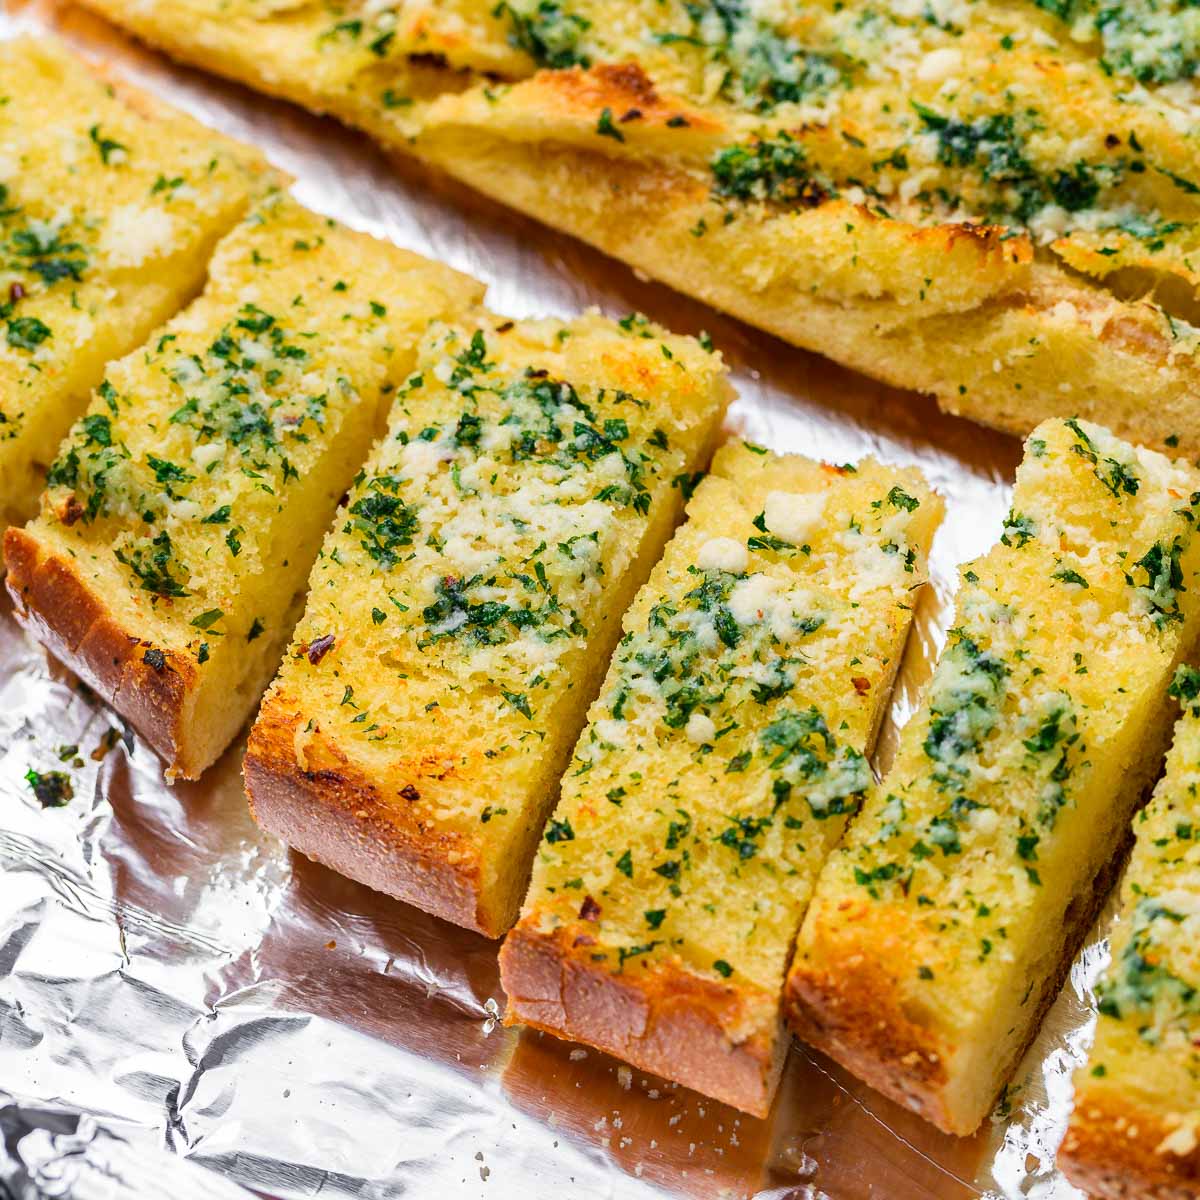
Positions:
(665, 1020)
(337, 816)
(1114, 1150)
(148, 686)
(852, 1015)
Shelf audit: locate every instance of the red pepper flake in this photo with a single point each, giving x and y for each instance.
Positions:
(862, 685)
(318, 648)
(72, 511)
(408, 792)
(16, 292)
(589, 910)
(634, 114)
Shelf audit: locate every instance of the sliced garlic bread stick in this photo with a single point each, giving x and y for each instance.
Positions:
(185, 509)
(720, 763)
(1135, 1128)
(110, 206)
(942, 927)
(468, 597)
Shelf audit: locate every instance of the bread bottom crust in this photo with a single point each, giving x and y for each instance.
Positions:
(667, 1021)
(55, 604)
(1112, 1150)
(335, 816)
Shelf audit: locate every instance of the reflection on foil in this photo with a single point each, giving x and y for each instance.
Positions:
(49, 1152)
(177, 976)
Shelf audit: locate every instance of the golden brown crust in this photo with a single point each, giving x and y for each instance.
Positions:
(145, 684)
(1113, 1150)
(664, 1020)
(851, 1013)
(333, 813)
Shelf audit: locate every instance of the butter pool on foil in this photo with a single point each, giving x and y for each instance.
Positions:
(172, 980)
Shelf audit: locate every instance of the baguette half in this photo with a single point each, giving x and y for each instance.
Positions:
(1003, 213)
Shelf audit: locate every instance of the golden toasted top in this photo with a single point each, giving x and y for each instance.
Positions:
(97, 194)
(1064, 632)
(727, 744)
(477, 545)
(192, 446)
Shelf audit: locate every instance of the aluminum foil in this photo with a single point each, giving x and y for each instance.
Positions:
(171, 980)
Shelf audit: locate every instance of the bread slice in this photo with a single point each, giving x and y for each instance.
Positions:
(1003, 212)
(1135, 1128)
(943, 925)
(185, 509)
(110, 205)
(719, 765)
(462, 612)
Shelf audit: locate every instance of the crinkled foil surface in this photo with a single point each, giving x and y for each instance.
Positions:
(178, 992)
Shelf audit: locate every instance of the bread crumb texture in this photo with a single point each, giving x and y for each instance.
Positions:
(110, 206)
(720, 763)
(942, 926)
(185, 508)
(1135, 1130)
(994, 201)
(466, 602)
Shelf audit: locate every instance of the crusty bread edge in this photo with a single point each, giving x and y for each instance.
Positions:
(53, 602)
(850, 1013)
(1111, 1150)
(664, 1020)
(335, 815)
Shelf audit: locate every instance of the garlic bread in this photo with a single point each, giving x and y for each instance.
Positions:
(993, 201)
(1135, 1128)
(720, 763)
(185, 508)
(942, 926)
(464, 606)
(110, 205)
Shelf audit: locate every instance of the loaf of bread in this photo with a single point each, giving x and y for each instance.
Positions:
(720, 763)
(1135, 1128)
(465, 604)
(185, 509)
(1000, 209)
(110, 205)
(943, 925)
